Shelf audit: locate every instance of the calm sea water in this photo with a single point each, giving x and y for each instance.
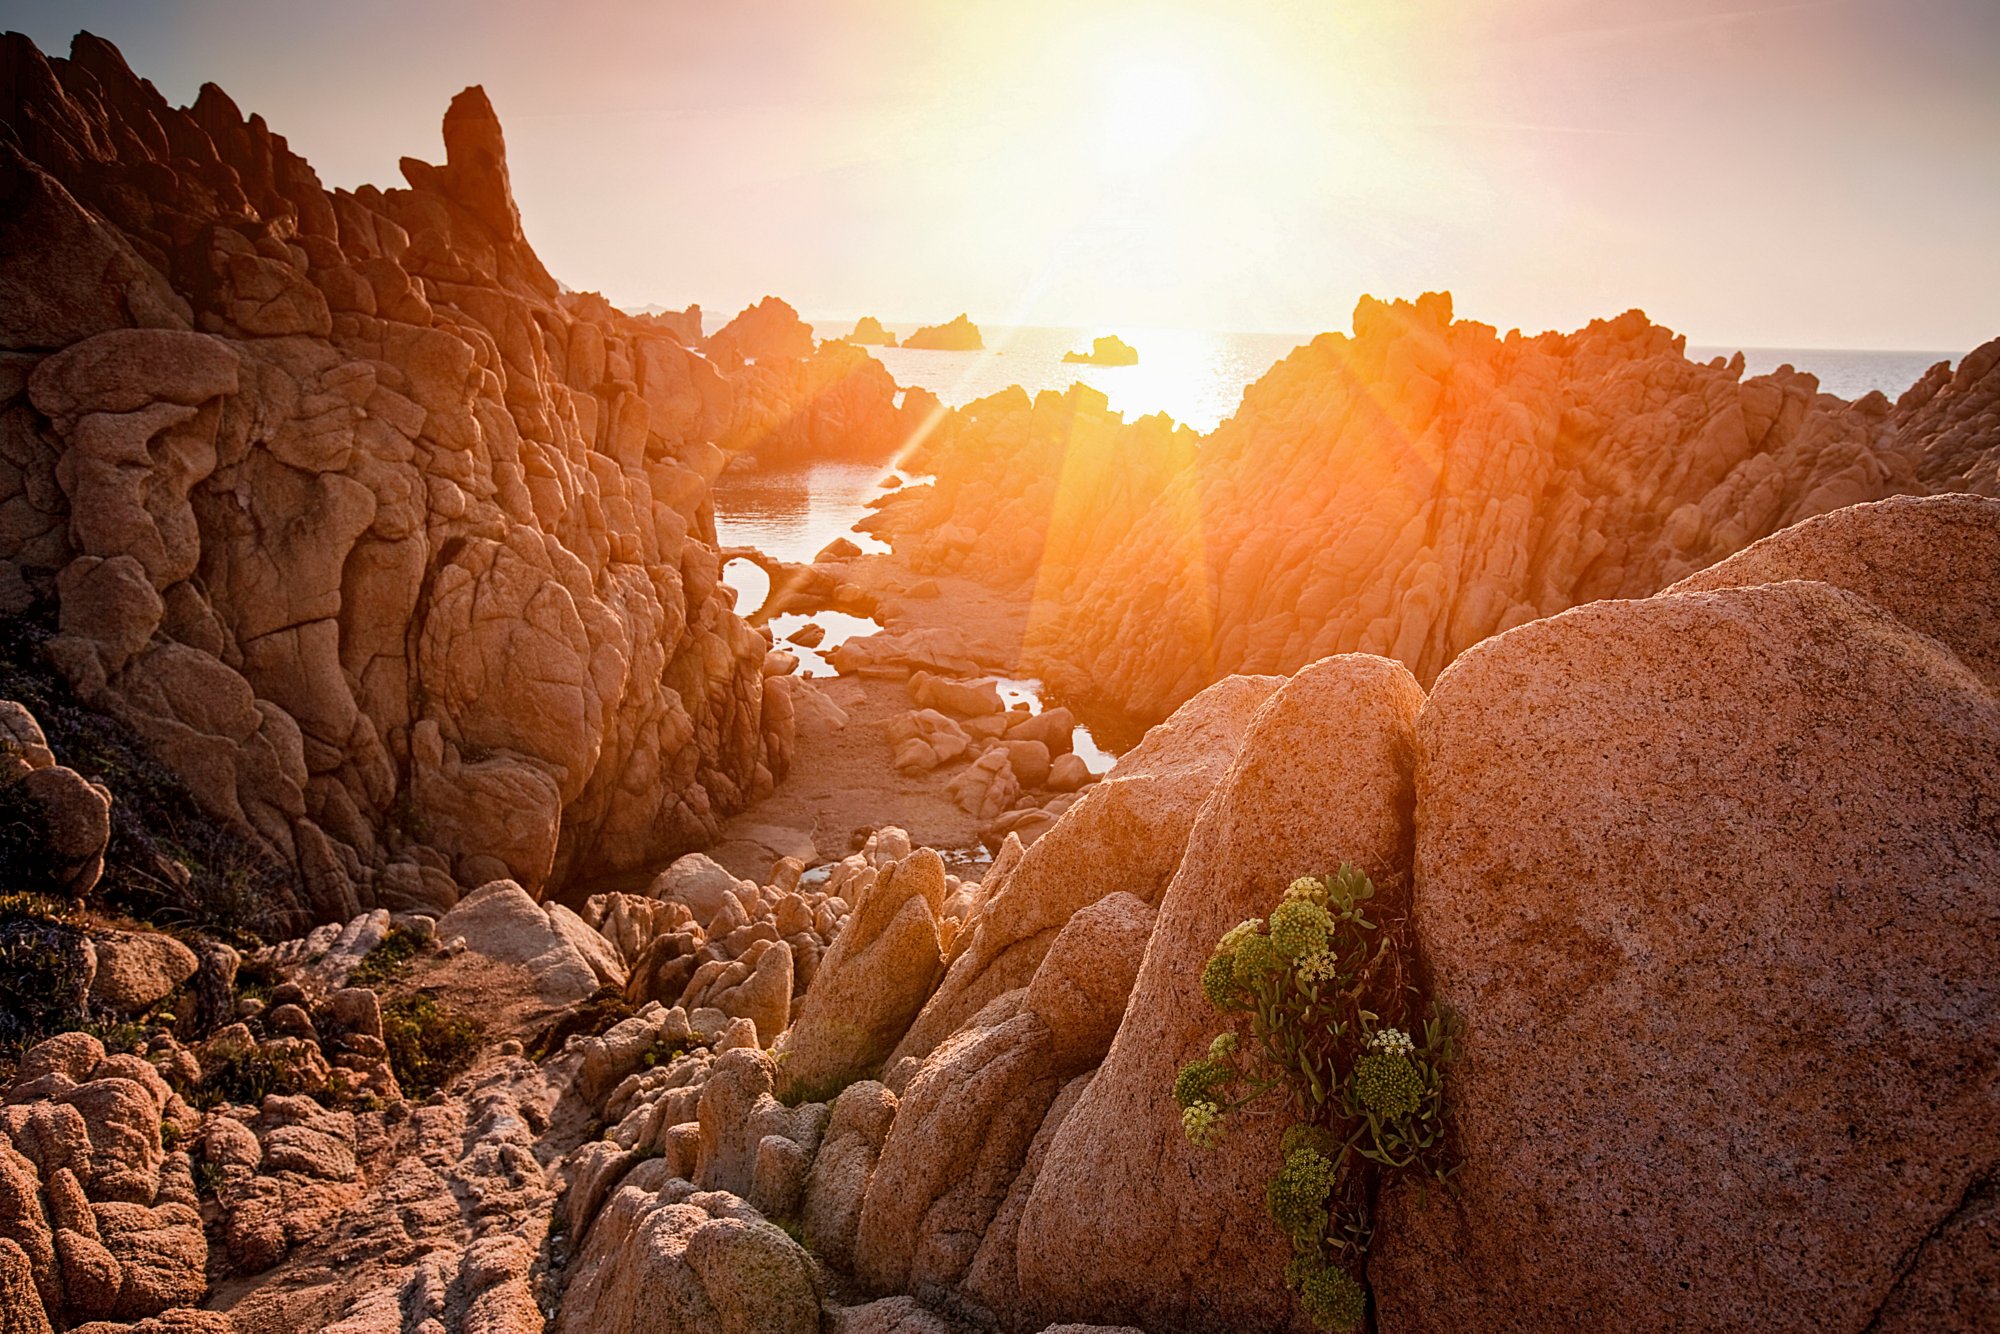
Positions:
(1845, 374)
(1195, 378)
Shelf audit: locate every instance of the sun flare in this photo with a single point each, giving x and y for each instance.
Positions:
(1150, 106)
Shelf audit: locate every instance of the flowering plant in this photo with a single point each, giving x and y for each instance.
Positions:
(1336, 1023)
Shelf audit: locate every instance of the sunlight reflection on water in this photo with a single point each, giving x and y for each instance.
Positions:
(1195, 378)
(792, 513)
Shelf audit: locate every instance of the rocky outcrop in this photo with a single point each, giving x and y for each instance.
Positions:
(397, 555)
(875, 977)
(834, 403)
(768, 331)
(1711, 880)
(1947, 420)
(1408, 490)
(868, 332)
(1042, 488)
(1106, 350)
(1126, 1220)
(958, 334)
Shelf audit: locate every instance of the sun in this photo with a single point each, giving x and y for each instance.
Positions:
(1150, 104)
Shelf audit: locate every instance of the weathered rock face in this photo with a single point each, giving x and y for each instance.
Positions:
(1126, 1221)
(398, 555)
(1932, 562)
(662, 1255)
(1713, 880)
(1409, 491)
(875, 977)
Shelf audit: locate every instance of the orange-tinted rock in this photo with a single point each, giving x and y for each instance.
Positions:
(433, 569)
(1127, 1221)
(958, 334)
(1407, 490)
(1711, 880)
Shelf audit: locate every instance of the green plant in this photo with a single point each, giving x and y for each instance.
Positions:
(118, 1035)
(428, 1042)
(169, 861)
(389, 959)
(208, 1179)
(1330, 1007)
(44, 972)
(247, 1074)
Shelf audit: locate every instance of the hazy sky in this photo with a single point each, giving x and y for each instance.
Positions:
(1804, 174)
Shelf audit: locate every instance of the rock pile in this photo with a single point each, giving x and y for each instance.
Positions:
(1014, 1159)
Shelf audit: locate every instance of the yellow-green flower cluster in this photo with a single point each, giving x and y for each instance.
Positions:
(1222, 1047)
(1218, 980)
(1257, 958)
(1300, 928)
(1307, 889)
(1387, 1084)
(1201, 1122)
(1239, 933)
(1197, 1080)
(1296, 1196)
(1328, 1294)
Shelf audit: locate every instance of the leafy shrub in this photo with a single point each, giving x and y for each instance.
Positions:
(428, 1042)
(168, 861)
(44, 972)
(389, 959)
(247, 1074)
(1332, 1010)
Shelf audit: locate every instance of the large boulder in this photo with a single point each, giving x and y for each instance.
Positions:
(503, 922)
(871, 982)
(1127, 1221)
(1932, 562)
(662, 1256)
(138, 969)
(1714, 881)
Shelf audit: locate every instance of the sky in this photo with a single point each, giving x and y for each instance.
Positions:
(1823, 173)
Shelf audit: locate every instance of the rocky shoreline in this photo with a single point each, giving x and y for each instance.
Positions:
(430, 906)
